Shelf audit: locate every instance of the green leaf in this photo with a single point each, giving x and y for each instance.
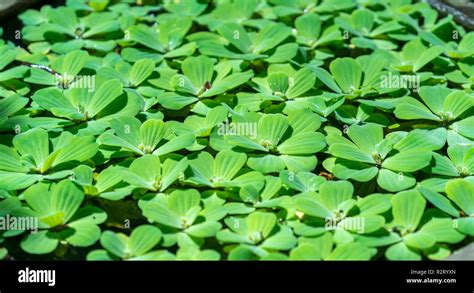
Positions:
(407, 208)
(236, 35)
(42, 242)
(79, 149)
(439, 201)
(34, 142)
(84, 234)
(182, 201)
(227, 163)
(266, 164)
(401, 251)
(350, 152)
(199, 70)
(302, 143)
(308, 27)
(140, 71)
(427, 56)
(73, 62)
(177, 143)
(434, 97)
(309, 205)
(408, 161)
(146, 36)
(151, 133)
(456, 103)
(410, 108)
(282, 240)
(260, 223)
(366, 137)
(461, 192)
(271, 128)
(302, 81)
(350, 251)
(145, 172)
(443, 230)
(419, 240)
(394, 182)
(204, 230)
(143, 239)
(229, 82)
(333, 193)
(113, 243)
(103, 97)
(347, 73)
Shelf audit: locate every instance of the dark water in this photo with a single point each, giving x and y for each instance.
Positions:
(11, 23)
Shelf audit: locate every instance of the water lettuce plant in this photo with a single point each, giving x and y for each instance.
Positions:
(237, 130)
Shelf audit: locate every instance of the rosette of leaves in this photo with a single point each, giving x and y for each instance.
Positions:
(137, 246)
(322, 248)
(333, 208)
(181, 212)
(61, 219)
(282, 83)
(393, 159)
(458, 203)
(264, 194)
(311, 36)
(358, 77)
(151, 137)
(255, 236)
(149, 173)
(423, 20)
(458, 51)
(108, 184)
(448, 108)
(413, 57)
(163, 41)
(36, 157)
(368, 29)
(458, 163)
(90, 111)
(234, 42)
(201, 126)
(419, 233)
(200, 79)
(64, 31)
(282, 142)
(260, 197)
(225, 170)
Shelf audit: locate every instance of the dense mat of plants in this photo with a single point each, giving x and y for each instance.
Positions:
(240, 130)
